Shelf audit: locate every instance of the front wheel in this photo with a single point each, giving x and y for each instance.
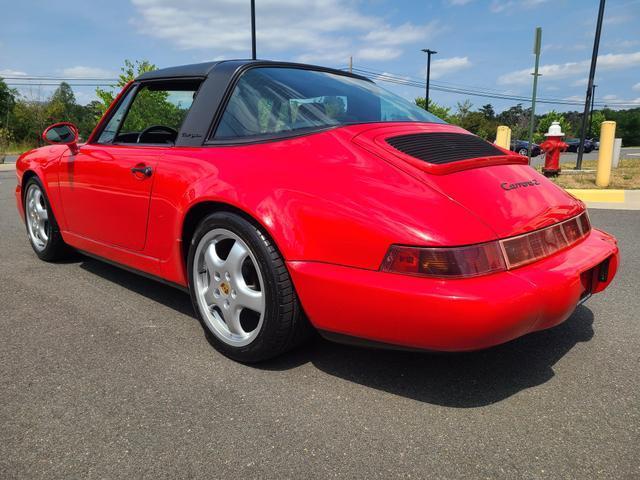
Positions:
(242, 291)
(42, 228)
(523, 151)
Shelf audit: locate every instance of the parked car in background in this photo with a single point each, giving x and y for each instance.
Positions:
(574, 143)
(596, 143)
(522, 147)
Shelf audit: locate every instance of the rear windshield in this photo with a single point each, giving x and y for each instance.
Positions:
(270, 101)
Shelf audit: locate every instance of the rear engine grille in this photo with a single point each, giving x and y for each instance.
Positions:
(532, 246)
(442, 148)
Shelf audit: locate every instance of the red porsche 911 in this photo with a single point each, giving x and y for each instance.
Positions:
(286, 196)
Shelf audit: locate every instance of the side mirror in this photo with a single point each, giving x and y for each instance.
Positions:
(63, 133)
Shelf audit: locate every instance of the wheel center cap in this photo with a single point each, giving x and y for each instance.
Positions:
(224, 288)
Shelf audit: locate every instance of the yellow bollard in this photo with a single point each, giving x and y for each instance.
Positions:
(605, 154)
(503, 137)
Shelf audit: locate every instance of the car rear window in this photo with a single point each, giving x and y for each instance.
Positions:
(269, 101)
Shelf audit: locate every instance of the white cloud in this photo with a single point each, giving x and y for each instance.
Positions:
(87, 72)
(445, 66)
(12, 73)
(616, 19)
(610, 61)
(574, 98)
(499, 6)
(532, 3)
(405, 33)
(610, 98)
(458, 3)
(378, 53)
(636, 87)
(310, 30)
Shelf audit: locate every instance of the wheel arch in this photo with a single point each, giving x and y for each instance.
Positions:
(26, 176)
(198, 211)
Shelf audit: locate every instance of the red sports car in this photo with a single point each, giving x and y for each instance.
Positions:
(284, 196)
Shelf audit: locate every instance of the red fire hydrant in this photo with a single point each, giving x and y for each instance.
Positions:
(552, 147)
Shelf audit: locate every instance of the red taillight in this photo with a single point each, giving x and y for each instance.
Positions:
(453, 262)
(485, 258)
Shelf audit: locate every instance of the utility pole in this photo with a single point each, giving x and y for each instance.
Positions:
(592, 73)
(593, 96)
(253, 29)
(532, 120)
(426, 93)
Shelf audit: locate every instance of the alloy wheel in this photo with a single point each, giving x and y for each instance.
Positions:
(229, 287)
(37, 217)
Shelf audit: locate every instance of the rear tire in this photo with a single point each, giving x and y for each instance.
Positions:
(241, 290)
(42, 227)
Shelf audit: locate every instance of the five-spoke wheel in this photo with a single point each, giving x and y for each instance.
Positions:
(229, 287)
(241, 289)
(42, 227)
(37, 217)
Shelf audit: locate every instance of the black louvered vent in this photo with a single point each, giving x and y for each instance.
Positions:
(441, 148)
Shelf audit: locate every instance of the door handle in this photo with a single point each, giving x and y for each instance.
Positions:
(146, 171)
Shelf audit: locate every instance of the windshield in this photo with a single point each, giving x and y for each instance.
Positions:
(272, 101)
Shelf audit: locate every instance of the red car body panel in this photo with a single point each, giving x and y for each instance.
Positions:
(334, 202)
(451, 315)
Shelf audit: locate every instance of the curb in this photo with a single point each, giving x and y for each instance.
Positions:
(7, 167)
(595, 195)
(611, 199)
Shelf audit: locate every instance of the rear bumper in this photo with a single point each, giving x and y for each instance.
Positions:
(453, 315)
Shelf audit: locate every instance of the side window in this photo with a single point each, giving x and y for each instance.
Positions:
(110, 131)
(154, 115)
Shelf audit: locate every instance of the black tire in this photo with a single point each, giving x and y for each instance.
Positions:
(55, 248)
(284, 325)
(523, 151)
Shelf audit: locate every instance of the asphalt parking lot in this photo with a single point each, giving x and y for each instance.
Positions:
(108, 375)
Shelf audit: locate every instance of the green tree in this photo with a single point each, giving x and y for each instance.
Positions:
(28, 121)
(545, 122)
(439, 111)
(488, 111)
(596, 121)
(62, 105)
(516, 118)
(130, 71)
(7, 102)
(627, 125)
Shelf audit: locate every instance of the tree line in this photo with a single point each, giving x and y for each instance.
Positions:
(22, 120)
(484, 121)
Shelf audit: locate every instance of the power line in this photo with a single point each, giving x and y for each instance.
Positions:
(472, 91)
(391, 78)
(47, 77)
(13, 84)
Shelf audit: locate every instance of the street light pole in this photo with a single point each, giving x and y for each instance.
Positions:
(592, 74)
(536, 50)
(253, 29)
(426, 92)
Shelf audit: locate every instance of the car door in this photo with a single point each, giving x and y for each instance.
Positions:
(106, 186)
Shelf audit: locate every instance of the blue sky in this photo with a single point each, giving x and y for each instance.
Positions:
(481, 44)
